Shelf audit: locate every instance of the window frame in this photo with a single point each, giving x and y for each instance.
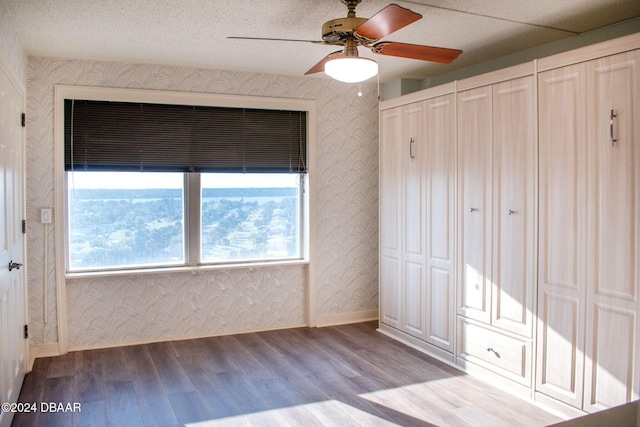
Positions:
(191, 184)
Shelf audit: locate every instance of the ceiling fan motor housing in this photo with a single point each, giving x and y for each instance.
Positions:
(337, 30)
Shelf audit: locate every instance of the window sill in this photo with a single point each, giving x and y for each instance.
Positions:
(180, 269)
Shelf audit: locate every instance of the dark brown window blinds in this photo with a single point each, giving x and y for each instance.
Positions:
(125, 136)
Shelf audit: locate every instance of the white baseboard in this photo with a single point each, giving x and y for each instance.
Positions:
(52, 349)
(181, 338)
(420, 345)
(42, 350)
(346, 318)
(556, 407)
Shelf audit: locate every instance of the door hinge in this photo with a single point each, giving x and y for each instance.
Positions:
(24, 120)
(26, 331)
(24, 226)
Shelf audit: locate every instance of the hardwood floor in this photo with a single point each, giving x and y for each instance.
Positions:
(344, 376)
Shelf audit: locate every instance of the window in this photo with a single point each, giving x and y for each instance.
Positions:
(250, 217)
(133, 220)
(198, 185)
(125, 219)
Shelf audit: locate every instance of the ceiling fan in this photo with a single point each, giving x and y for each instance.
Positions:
(346, 65)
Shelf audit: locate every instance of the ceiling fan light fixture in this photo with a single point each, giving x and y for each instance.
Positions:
(351, 69)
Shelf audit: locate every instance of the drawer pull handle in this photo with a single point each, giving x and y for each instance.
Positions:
(494, 352)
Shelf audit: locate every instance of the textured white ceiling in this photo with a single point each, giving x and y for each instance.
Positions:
(194, 32)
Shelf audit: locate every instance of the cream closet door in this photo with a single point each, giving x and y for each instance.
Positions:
(390, 191)
(12, 285)
(417, 205)
(402, 186)
(514, 154)
(474, 195)
(439, 167)
(563, 226)
(413, 145)
(612, 372)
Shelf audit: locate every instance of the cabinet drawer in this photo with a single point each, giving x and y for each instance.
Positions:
(502, 354)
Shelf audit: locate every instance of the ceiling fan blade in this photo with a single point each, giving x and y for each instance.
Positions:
(319, 67)
(279, 40)
(415, 51)
(385, 22)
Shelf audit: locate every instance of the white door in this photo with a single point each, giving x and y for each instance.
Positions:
(474, 203)
(563, 208)
(390, 185)
(12, 283)
(439, 166)
(514, 155)
(414, 144)
(613, 297)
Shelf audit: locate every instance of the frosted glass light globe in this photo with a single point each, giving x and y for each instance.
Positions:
(351, 69)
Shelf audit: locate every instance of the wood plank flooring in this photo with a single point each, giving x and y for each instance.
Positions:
(343, 376)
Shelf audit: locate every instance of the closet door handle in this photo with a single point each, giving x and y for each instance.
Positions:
(411, 141)
(473, 210)
(511, 212)
(14, 265)
(613, 116)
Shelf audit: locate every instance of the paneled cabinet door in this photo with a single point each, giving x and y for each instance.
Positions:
(612, 372)
(417, 200)
(439, 200)
(390, 238)
(562, 239)
(413, 145)
(474, 203)
(514, 156)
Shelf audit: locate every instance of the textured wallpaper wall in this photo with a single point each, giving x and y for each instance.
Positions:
(147, 307)
(11, 52)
